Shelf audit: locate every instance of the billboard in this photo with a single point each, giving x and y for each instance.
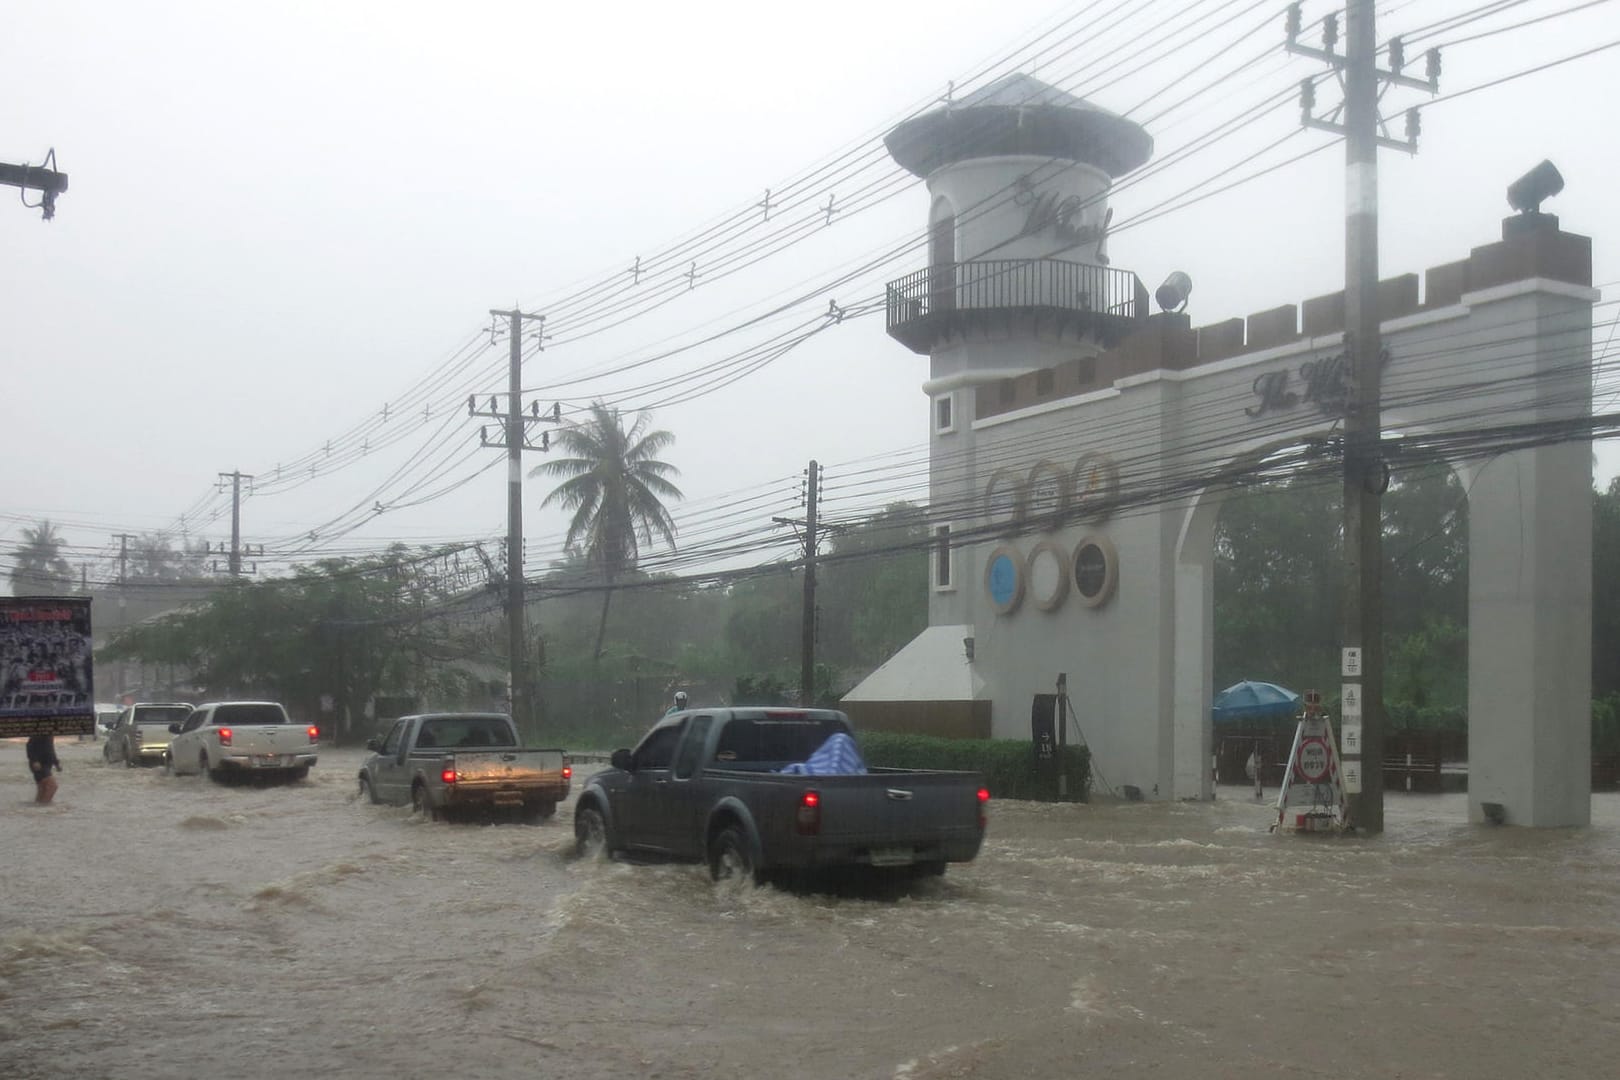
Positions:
(46, 676)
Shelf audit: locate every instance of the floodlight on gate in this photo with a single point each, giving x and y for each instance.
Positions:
(1527, 192)
(1172, 295)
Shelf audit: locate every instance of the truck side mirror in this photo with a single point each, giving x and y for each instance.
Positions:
(174, 729)
(374, 744)
(621, 759)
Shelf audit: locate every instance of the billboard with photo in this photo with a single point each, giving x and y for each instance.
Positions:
(46, 674)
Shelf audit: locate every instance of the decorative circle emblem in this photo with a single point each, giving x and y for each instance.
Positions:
(1004, 579)
(1004, 499)
(1096, 570)
(1048, 495)
(1048, 575)
(1095, 485)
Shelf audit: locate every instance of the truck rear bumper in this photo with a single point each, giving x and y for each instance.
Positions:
(258, 762)
(473, 796)
(826, 855)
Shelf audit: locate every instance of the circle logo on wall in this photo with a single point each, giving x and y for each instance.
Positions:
(1004, 499)
(1004, 579)
(1095, 486)
(1096, 570)
(1048, 575)
(1048, 495)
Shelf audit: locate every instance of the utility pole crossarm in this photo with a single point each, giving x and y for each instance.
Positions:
(47, 181)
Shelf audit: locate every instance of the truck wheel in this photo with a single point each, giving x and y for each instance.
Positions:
(205, 772)
(590, 833)
(366, 793)
(300, 773)
(929, 869)
(129, 763)
(421, 804)
(729, 858)
(106, 752)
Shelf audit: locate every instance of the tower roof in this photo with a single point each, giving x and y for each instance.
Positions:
(1019, 114)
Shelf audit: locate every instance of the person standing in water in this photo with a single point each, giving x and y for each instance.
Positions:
(42, 760)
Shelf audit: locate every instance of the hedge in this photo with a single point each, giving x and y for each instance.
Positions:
(1008, 765)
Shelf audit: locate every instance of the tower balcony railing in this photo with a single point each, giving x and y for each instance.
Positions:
(931, 305)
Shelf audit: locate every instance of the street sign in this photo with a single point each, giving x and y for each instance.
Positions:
(1350, 701)
(1312, 795)
(1350, 738)
(1350, 771)
(1350, 662)
(1313, 760)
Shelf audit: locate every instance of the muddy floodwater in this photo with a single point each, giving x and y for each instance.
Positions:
(160, 927)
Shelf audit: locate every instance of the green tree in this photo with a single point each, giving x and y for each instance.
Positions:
(1279, 585)
(41, 569)
(348, 628)
(873, 595)
(614, 484)
(1606, 591)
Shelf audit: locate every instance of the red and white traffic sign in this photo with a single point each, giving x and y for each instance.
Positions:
(1313, 759)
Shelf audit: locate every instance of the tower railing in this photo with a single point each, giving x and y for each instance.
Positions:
(937, 294)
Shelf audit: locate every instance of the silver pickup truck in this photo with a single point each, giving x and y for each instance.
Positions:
(141, 734)
(450, 764)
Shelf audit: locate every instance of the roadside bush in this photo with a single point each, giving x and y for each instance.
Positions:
(1008, 765)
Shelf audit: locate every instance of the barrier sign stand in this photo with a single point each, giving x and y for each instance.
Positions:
(1313, 788)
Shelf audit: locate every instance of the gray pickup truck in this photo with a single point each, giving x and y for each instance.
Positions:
(451, 764)
(708, 785)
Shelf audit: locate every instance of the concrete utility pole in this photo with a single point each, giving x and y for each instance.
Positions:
(123, 555)
(41, 178)
(807, 662)
(515, 440)
(236, 478)
(1366, 475)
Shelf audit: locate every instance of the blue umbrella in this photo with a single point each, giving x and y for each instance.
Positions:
(1250, 700)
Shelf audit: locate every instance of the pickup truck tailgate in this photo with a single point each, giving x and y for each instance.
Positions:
(890, 812)
(502, 768)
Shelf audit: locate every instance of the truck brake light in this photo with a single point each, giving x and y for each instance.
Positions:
(808, 822)
(984, 797)
(568, 772)
(314, 734)
(449, 776)
(224, 736)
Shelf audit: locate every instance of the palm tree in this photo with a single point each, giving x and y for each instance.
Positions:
(40, 568)
(614, 484)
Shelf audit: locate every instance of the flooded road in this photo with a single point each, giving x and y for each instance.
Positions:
(157, 927)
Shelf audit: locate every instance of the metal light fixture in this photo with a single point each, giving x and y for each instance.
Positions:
(1542, 182)
(1172, 295)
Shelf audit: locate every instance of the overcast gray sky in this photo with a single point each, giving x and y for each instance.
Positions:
(284, 217)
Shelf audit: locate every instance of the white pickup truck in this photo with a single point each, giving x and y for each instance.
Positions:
(237, 738)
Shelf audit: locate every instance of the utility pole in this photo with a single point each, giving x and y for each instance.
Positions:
(123, 555)
(1365, 473)
(41, 178)
(515, 440)
(807, 655)
(236, 478)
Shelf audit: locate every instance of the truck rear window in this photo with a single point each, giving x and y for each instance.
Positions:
(775, 741)
(248, 715)
(162, 716)
(464, 731)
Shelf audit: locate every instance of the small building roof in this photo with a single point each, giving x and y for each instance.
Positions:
(1019, 114)
(933, 667)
